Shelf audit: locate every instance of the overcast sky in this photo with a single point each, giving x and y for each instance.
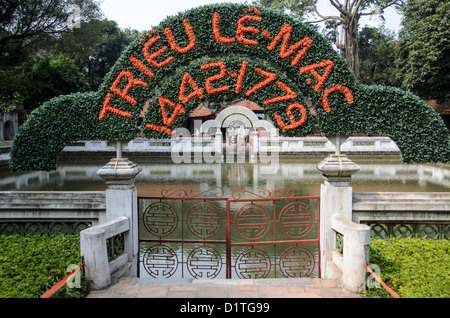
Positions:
(142, 15)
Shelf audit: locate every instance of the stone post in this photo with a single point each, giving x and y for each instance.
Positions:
(121, 199)
(335, 198)
(93, 248)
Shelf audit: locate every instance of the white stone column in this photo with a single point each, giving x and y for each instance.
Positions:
(335, 198)
(121, 200)
(336, 216)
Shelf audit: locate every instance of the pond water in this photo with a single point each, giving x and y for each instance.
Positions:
(300, 174)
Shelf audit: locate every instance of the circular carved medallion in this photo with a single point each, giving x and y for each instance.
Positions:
(252, 264)
(160, 261)
(204, 220)
(160, 219)
(204, 262)
(297, 261)
(296, 219)
(252, 221)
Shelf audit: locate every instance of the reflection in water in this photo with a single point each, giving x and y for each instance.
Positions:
(300, 174)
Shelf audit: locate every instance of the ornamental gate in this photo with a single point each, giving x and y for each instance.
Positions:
(246, 235)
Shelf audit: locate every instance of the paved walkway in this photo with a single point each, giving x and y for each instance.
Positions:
(222, 288)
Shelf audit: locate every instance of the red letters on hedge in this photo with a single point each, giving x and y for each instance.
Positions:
(247, 34)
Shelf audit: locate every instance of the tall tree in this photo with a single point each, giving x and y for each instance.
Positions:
(95, 47)
(52, 76)
(28, 31)
(23, 23)
(348, 13)
(377, 52)
(424, 58)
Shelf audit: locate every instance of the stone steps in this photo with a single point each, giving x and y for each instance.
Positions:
(401, 201)
(49, 194)
(52, 200)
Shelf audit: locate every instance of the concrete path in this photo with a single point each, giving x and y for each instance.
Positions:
(222, 288)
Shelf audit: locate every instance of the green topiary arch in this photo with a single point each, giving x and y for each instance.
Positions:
(230, 51)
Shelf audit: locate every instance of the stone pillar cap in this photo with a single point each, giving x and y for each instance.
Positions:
(119, 171)
(337, 168)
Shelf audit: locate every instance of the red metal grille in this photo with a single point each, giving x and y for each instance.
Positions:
(246, 235)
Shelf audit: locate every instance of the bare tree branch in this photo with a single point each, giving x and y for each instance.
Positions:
(356, 8)
(337, 5)
(324, 17)
(381, 8)
(352, 4)
(345, 5)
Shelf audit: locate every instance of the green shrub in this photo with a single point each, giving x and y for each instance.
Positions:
(413, 268)
(31, 265)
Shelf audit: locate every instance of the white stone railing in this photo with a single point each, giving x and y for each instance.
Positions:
(262, 144)
(185, 144)
(321, 144)
(401, 206)
(404, 214)
(355, 252)
(95, 255)
(50, 212)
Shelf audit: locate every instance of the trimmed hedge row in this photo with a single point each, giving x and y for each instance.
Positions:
(169, 61)
(31, 265)
(50, 127)
(413, 268)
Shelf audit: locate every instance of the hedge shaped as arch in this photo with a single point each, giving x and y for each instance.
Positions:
(230, 50)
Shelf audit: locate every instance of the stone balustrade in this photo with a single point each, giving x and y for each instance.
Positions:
(93, 248)
(285, 145)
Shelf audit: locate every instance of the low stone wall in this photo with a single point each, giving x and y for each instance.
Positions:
(144, 146)
(284, 145)
(403, 214)
(353, 145)
(50, 213)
